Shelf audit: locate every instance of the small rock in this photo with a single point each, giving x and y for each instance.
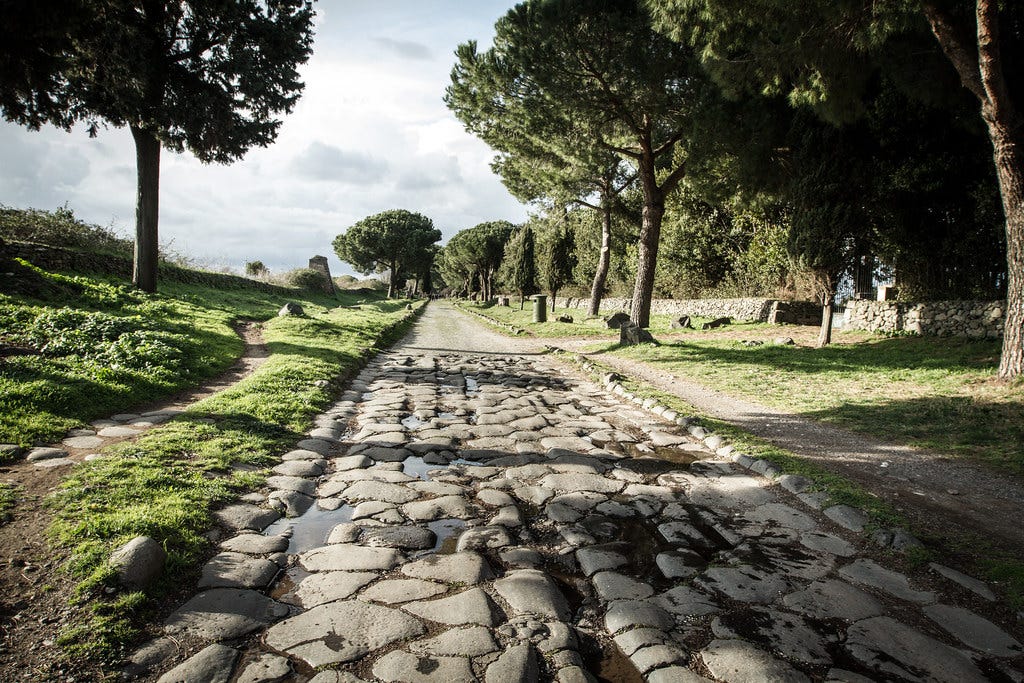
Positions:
(139, 562)
(290, 308)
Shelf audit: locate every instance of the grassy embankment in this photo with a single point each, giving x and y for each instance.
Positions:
(106, 348)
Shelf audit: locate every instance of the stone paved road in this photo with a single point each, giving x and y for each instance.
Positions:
(463, 514)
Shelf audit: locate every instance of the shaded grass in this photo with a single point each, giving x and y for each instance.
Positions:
(8, 498)
(145, 347)
(936, 393)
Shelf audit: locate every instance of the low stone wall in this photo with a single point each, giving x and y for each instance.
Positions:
(977, 319)
(752, 309)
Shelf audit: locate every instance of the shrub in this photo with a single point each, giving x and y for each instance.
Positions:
(59, 228)
(307, 279)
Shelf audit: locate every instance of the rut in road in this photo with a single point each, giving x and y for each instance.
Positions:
(463, 516)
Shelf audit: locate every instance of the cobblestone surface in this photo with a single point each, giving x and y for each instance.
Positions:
(482, 515)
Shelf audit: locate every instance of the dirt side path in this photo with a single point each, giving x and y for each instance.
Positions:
(34, 591)
(942, 496)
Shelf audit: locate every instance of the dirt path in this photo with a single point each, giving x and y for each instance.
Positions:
(942, 496)
(34, 592)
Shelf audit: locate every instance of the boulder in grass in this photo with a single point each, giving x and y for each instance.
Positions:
(717, 322)
(139, 562)
(291, 308)
(682, 323)
(616, 320)
(632, 334)
(564, 319)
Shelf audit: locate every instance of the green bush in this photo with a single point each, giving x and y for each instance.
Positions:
(307, 279)
(59, 228)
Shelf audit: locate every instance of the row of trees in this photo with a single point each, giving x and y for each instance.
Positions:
(853, 126)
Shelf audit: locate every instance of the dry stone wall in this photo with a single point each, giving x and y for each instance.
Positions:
(753, 309)
(977, 319)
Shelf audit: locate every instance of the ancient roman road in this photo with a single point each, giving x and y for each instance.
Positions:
(472, 510)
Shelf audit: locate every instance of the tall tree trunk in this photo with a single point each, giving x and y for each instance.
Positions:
(827, 312)
(603, 259)
(392, 276)
(980, 67)
(554, 295)
(147, 209)
(647, 257)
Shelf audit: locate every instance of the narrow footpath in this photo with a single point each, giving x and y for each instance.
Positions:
(472, 510)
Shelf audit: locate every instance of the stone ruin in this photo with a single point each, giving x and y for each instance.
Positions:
(319, 264)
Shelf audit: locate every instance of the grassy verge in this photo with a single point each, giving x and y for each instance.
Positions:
(8, 497)
(936, 393)
(165, 484)
(582, 326)
(91, 348)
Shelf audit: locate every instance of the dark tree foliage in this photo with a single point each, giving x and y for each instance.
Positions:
(210, 76)
(397, 241)
(520, 263)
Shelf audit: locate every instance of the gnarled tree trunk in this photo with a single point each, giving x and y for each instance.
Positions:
(603, 260)
(647, 259)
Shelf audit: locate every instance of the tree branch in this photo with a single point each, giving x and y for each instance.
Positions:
(673, 179)
(954, 45)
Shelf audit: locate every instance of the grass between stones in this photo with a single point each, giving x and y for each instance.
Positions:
(8, 497)
(165, 484)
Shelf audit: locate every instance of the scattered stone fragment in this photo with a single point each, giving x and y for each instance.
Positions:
(83, 442)
(517, 663)
(45, 453)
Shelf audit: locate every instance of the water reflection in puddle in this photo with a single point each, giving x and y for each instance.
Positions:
(447, 532)
(472, 387)
(311, 529)
(414, 466)
(412, 422)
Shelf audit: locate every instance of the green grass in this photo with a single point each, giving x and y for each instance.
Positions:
(8, 498)
(582, 326)
(936, 393)
(106, 348)
(165, 484)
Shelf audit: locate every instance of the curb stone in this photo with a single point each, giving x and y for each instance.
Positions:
(900, 540)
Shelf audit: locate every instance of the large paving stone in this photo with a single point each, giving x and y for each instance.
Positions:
(341, 632)
(737, 661)
(730, 492)
(686, 602)
(847, 517)
(614, 586)
(517, 663)
(483, 538)
(445, 507)
(744, 583)
(782, 515)
(224, 613)
(348, 557)
(245, 516)
(255, 544)
(394, 591)
(213, 664)
(403, 667)
(408, 537)
(894, 650)
(267, 668)
(785, 634)
(299, 484)
(630, 614)
(300, 468)
(472, 606)
(833, 599)
(466, 568)
(869, 573)
(529, 591)
(378, 490)
(598, 558)
(969, 582)
(823, 542)
(236, 570)
(458, 642)
(373, 474)
(323, 587)
(581, 482)
(292, 503)
(974, 631)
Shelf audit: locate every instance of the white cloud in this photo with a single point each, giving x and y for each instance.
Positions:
(370, 133)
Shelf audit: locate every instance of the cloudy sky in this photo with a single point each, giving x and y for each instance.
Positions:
(370, 133)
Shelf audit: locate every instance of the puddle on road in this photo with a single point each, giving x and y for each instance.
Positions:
(667, 454)
(414, 466)
(311, 529)
(472, 387)
(447, 532)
